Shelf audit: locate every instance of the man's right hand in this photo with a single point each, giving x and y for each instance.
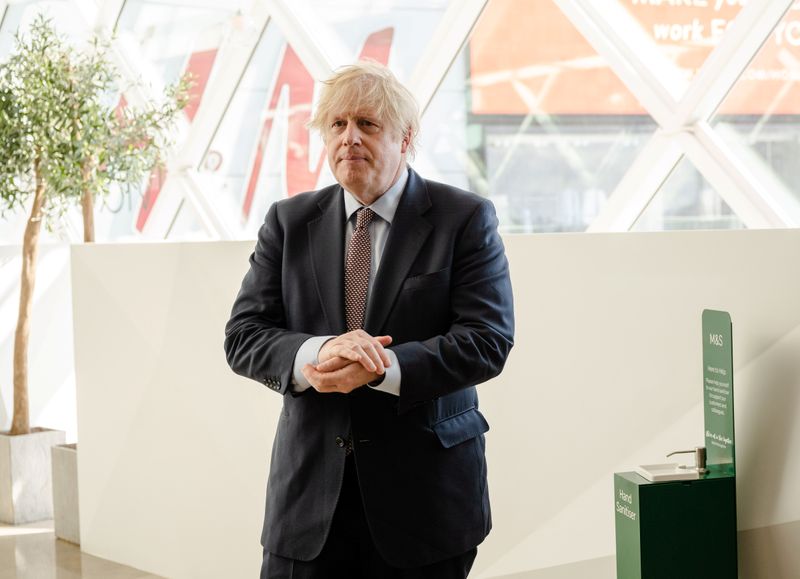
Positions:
(341, 376)
(358, 346)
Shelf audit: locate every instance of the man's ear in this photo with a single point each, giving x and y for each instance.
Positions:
(405, 142)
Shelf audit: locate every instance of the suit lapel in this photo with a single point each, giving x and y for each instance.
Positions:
(326, 240)
(406, 237)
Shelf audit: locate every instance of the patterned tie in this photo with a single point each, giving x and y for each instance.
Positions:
(356, 281)
(356, 270)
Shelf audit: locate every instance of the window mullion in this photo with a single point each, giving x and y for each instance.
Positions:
(739, 45)
(631, 54)
(639, 185)
(316, 45)
(449, 38)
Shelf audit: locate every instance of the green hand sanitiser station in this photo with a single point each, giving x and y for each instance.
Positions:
(675, 520)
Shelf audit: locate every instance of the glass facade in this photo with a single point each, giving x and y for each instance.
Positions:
(537, 108)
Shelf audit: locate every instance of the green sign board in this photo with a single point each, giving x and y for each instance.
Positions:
(687, 528)
(718, 391)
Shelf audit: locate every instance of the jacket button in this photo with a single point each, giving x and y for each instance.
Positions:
(340, 442)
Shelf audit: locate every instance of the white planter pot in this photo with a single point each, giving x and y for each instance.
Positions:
(65, 493)
(26, 493)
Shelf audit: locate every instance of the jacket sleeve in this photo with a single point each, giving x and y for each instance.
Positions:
(258, 344)
(480, 337)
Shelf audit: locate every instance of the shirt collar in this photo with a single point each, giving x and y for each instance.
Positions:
(385, 206)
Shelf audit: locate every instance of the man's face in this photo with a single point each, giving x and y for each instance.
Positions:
(365, 154)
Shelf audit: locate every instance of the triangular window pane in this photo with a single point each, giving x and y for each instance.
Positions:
(687, 201)
(186, 225)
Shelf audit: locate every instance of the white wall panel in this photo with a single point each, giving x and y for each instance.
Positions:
(605, 374)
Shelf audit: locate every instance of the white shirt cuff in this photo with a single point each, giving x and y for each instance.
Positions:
(391, 384)
(306, 354)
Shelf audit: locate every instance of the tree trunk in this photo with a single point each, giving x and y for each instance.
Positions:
(87, 204)
(30, 250)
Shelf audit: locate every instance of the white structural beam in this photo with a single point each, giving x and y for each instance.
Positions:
(308, 34)
(639, 185)
(726, 63)
(230, 65)
(443, 48)
(736, 181)
(108, 14)
(635, 58)
(3, 12)
(162, 215)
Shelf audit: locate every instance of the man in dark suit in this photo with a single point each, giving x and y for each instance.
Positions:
(374, 307)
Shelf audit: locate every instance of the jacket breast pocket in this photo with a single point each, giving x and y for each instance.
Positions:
(456, 429)
(428, 280)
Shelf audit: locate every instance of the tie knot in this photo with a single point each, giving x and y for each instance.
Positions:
(364, 217)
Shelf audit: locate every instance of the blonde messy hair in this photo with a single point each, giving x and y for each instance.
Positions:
(368, 85)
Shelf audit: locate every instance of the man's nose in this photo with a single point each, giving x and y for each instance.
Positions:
(352, 134)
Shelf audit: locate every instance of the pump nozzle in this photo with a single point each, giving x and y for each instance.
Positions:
(699, 458)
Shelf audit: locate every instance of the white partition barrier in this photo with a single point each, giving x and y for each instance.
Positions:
(605, 374)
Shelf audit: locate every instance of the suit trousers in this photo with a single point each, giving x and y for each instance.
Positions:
(349, 552)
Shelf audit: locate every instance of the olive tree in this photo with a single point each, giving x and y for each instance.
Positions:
(65, 142)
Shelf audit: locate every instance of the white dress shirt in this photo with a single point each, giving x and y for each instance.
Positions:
(384, 207)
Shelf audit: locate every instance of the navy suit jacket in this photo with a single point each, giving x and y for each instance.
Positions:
(443, 293)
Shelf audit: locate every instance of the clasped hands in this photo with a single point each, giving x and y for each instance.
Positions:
(348, 362)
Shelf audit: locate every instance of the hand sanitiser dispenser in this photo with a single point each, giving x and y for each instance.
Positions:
(673, 470)
(674, 520)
